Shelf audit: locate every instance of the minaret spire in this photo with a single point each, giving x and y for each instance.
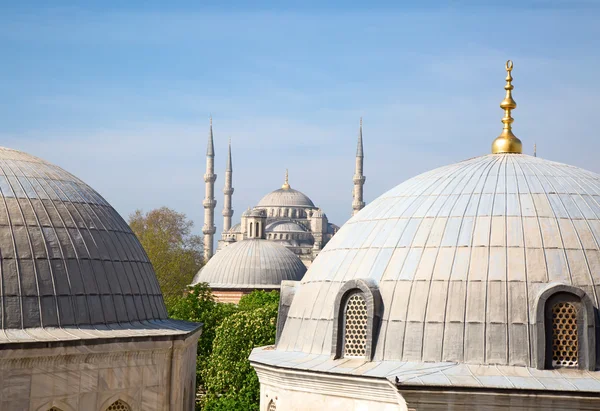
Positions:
(359, 178)
(209, 199)
(228, 191)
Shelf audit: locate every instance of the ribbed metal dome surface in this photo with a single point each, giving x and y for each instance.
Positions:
(67, 257)
(285, 197)
(460, 254)
(252, 263)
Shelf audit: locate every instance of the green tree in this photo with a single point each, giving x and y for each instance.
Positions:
(174, 251)
(198, 305)
(260, 299)
(230, 381)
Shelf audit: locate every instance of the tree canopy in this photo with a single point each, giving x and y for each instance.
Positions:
(175, 253)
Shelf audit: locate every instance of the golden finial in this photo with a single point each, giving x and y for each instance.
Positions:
(286, 184)
(507, 142)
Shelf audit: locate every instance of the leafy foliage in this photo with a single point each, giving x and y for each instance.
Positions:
(260, 299)
(230, 380)
(198, 305)
(174, 251)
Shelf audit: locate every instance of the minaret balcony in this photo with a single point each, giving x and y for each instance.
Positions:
(358, 205)
(359, 179)
(228, 191)
(209, 230)
(227, 212)
(210, 178)
(209, 203)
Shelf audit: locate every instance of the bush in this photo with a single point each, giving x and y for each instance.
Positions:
(230, 380)
(198, 305)
(259, 299)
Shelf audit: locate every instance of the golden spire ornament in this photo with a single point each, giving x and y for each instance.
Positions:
(507, 142)
(286, 184)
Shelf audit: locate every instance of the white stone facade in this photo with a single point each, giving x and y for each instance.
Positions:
(146, 375)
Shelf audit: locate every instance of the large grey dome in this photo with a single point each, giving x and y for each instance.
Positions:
(251, 264)
(286, 197)
(68, 258)
(460, 255)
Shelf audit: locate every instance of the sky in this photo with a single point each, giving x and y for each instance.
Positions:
(120, 93)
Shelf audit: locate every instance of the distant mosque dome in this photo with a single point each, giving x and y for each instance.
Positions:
(251, 264)
(286, 197)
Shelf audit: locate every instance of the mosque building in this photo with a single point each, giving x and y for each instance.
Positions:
(472, 286)
(275, 241)
(83, 322)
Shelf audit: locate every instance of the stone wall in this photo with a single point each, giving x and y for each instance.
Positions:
(147, 375)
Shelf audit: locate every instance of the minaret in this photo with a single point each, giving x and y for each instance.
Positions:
(209, 199)
(228, 191)
(359, 178)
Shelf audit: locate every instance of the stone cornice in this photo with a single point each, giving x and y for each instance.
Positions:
(357, 387)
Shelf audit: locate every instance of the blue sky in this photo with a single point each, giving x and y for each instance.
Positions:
(120, 95)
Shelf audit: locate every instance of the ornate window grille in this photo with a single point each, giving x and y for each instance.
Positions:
(355, 326)
(565, 341)
(119, 405)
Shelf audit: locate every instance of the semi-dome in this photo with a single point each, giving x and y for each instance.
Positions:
(286, 198)
(68, 258)
(285, 227)
(460, 256)
(251, 264)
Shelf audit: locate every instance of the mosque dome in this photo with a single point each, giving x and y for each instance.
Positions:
(68, 258)
(460, 255)
(286, 196)
(251, 264)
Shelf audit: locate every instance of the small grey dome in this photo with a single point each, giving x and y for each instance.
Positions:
(236, 228)
(250, 264)
(460, 255)
(285, 227)
(286, 197)
(68, 258)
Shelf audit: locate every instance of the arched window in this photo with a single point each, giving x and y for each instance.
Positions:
(250, 231)
(355, 326)
(119, 405)
(565, 329)
(358, 310)
(272, 406)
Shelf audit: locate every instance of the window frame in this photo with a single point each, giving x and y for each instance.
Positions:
(369, 290)
(586, 325)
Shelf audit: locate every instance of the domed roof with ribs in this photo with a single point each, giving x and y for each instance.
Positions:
(68, 258)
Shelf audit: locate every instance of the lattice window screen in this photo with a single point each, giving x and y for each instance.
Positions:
(565, 342)
(355, 327)
(119, 405)
(272, 406)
